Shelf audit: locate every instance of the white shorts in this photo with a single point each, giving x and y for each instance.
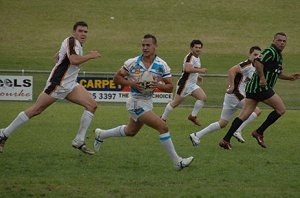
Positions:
(230, 105)
(187, 90)
(137, 107)
(58, 91)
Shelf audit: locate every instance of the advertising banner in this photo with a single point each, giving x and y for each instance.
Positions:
(104, 89)
(16, 88)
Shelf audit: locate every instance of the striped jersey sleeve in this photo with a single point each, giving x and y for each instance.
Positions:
(272, 60)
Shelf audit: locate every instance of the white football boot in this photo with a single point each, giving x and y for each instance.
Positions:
(238, 136)
(82, 147)
(183, 163)
(3, 138)
(194, 139)
(98, 140)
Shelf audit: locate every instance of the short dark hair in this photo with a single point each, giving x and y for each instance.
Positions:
(196, 42)
(254, 48)
(146, 36)
(280, 33)
(79, 23)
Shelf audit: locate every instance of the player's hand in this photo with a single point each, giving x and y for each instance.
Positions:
(295, 77)
(262, 82)
(230, 89)
(200, 79)
(203, 70)
(154, 85)
(136, 85)
(94, 54)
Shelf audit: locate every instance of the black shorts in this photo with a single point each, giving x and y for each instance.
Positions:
(261, 96)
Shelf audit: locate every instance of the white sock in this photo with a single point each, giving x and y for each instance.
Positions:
(18, 121)
(209, 129)
(250, 119)
(168, 110)
(166, 141)
(197, 107)
(114, 132)
(85, 122)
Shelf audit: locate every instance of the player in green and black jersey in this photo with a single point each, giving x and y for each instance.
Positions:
(260, 88)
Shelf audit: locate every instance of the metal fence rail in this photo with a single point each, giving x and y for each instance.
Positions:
(83, 73)
(214, 86)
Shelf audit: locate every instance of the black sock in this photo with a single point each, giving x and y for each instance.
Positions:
(237, 122)
(272, 117)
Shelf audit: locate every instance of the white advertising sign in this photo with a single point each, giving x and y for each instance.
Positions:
(16, 88)
(104, 89)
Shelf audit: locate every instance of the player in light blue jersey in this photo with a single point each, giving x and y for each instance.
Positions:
(159, 70)
(143, 74)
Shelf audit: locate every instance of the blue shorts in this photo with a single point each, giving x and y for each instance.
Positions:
(137, 107)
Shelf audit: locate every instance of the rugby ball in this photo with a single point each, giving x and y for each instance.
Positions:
(145, 80)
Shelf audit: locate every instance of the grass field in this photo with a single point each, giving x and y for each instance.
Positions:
(39, 161)
(30, 35)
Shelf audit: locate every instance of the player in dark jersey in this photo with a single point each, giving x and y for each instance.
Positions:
(260, 89)
(234, 98)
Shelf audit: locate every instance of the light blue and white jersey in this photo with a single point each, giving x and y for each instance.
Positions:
(135, 67)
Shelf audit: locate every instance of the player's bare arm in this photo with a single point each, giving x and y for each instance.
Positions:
(166, 86)
(190, 69)
(120, 78)
(77, 59)
(260, 71)
(200, 79)
(230, 79)
(290, 77)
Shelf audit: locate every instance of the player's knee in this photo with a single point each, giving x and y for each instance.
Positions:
(257, 111)
(223, 123)
(34, 112)
(92, 107)
(163, 128)
(131, 133)
(174, 104)
(281, 111)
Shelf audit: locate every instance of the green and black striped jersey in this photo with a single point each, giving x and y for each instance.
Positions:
(272, 60)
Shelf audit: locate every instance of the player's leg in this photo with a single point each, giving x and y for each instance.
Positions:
(252, 117)
(79, 95)
(273, 100)
(152, 120)
(238, 133)
(200, 97)
(279, 109)
(171, 105)
(229, 108)
(43, 101)
(131, 129)
(225, 117)
(136, 109)
(248, 108)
